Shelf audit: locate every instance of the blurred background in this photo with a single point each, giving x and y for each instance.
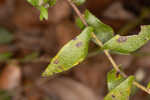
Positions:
(27, 45)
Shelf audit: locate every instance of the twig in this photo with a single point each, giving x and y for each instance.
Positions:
(105, 51)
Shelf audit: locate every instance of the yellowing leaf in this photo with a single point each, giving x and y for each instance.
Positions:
(128, 44)
(71, 54)
(121, 92)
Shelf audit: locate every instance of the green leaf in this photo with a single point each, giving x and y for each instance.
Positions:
(34, 2)
(79, 2)
(121, 92)
(79, 23)
(42, 2)
(43, 13)
(5, 36)
(43, 6)
(101, 30)
(52, 2)
(114, 79)
(71, 54)
(128, 44)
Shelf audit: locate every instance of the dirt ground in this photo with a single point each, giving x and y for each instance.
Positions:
(27, 45)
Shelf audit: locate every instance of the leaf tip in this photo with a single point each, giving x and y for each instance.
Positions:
(131, 78)
(47, 73)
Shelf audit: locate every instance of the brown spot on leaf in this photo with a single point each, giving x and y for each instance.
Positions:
(79, 44)
(61, 67)
(121, 93)
(122, 39)
(56, 61)
(117, 74)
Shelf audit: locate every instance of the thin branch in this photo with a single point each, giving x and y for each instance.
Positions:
(105, 51)
(78, 12)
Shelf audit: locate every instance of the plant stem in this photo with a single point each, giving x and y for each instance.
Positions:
(105, 51)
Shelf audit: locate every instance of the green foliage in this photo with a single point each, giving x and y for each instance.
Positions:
(78, 2)
(76, 50)
(71, 54)
(79, 23)
(122, 91)
(34, 2)
(101, 30)
(52, 2)
(128, 44)
(42, 6)
(114, 79)
(44, 13)
(5, 36)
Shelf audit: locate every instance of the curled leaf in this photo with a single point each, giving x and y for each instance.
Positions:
(122, 91)
(128, 44)
(114, 79)
(71, 54)
(101, 30)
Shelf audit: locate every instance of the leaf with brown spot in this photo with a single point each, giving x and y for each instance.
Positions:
(122, 39)
(71, 54)
(122, 91)
(128, 44)
(114, 79)
(79, 44)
